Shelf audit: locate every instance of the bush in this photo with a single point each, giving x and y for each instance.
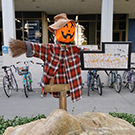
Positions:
(23, 120)
(17, 121)
(128, 117)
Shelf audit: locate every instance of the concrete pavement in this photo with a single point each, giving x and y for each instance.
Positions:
(19, 105)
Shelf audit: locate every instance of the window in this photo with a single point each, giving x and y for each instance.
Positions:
(21, 18)
(119, 27)
(88, 26)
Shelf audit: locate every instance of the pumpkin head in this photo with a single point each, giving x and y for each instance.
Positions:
(66, 34)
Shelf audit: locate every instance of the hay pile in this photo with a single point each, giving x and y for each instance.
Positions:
(17, 47)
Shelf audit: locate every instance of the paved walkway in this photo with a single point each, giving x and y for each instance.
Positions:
(19, 105)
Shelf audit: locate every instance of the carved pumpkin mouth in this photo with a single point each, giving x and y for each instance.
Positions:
(65, 36)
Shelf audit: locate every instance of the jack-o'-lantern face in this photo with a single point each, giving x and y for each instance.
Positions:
(67, 33)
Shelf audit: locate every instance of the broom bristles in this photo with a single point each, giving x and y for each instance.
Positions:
(17, 47)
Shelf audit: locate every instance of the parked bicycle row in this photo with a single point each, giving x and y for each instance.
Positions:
(9, 80)
(115, 80)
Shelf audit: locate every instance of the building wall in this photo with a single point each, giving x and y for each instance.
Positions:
(37, 73)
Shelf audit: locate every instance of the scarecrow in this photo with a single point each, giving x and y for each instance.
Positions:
(61, 59)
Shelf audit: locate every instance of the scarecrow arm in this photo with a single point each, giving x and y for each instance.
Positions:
(17, 47)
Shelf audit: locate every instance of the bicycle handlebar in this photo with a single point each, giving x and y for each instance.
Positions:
(17, 68)
(41, 64)
(25, 62)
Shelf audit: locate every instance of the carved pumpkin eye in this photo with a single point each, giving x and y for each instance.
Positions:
(66, 25)
(72, 25)
(67, 33)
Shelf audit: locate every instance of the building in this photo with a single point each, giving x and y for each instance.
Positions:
(97, 21)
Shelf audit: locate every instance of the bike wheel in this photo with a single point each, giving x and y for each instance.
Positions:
(99, 85)
(88, 90)
(89, 84)
(124, 78)
(26, 91)
(131, 83)
(30, 82)
(118, 83)
(6, 86)
(110, 80)
(14, 83)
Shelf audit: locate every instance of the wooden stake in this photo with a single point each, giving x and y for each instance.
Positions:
(61, 88)
(63, 100)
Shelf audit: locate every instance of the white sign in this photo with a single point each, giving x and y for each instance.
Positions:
(113, 56)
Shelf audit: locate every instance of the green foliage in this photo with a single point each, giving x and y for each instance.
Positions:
(125, 116)
(17, 121)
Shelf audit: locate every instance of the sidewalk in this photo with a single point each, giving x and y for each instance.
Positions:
(19, 105)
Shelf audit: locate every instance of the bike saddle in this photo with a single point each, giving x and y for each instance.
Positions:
(4, 67)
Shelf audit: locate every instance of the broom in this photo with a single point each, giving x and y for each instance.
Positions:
(17, 47)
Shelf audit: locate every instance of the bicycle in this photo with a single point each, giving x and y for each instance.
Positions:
(9, 81)
(115, 80)
(42, 65)
(94, 82)
(128, 78)
(27, 77)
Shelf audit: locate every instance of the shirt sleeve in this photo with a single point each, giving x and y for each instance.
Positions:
(80, 49)
(37, 50)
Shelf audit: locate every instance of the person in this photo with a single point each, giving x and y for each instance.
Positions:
(61, 59)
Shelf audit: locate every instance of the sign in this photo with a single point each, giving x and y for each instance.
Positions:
(113, 56)
(32, 29)
(5, 49)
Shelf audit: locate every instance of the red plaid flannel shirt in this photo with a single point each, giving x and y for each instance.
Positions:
(65, 64)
